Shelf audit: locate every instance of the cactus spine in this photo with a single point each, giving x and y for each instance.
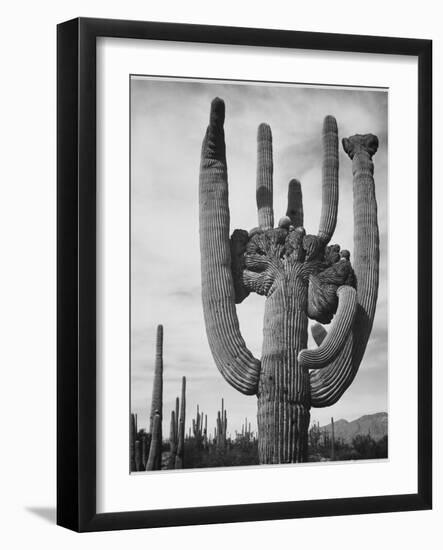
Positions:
(301, 277)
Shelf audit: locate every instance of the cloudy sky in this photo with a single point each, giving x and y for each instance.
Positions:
(168, 122)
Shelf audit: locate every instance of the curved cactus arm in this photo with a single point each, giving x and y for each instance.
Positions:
(264, 192)
(295, 203)
(319, 333)
(236, 363)
(329, 384)
(323, 355)
(366, 237)
(328, 217)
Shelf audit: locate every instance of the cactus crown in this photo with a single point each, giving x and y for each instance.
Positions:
(266, 256)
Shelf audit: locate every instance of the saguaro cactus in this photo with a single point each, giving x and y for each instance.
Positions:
(197, 428)
(156, 415)
(301, 277)
(132, 440)
(155, 450)
(173, 440)
(179, 459)
(221, 426)
(145, 450)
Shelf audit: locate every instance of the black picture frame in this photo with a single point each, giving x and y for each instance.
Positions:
(76, 279)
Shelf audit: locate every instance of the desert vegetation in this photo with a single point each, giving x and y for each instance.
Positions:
(194, 446)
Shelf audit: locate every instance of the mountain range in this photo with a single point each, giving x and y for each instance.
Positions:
(376, 425)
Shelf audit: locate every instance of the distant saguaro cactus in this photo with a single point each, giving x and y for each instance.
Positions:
(155, 450)
(132, 440)
(180, 458)
(154, 462)
(173, 440)
(221, 426)
(300, 275)
(145, 450)
(197, 428)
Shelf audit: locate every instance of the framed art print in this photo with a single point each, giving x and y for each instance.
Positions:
(244, 274)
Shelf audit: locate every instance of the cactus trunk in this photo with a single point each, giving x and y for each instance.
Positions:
(155, 450)
(283, 397)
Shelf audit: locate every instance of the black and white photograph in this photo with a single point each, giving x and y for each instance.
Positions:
(221, 281)
(258, 273)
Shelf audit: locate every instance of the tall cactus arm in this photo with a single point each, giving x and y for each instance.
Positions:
(328, 217)
(235, 362)
(323, 355)
(295, 203)
(366, 237)
(264, 192)
(329, 384)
